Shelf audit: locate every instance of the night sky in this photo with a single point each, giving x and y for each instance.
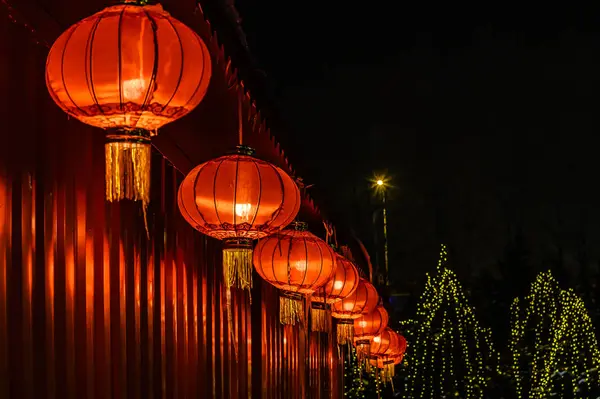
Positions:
(486, 119)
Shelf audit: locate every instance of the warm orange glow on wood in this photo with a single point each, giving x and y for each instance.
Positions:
(128, 66)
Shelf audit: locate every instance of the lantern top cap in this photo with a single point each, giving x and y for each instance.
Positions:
(137, 2)
(243, 150)
(300, 226)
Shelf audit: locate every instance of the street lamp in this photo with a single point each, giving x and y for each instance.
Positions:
(380, 187)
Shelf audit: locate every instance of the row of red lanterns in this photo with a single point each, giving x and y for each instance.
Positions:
(132, 68)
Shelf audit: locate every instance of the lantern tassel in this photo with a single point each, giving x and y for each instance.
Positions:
(237, 263)
(320, 317)
(363, 348)
(128, 157)
(291, 309)
(345, 331)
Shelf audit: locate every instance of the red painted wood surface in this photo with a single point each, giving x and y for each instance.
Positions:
(92, 308)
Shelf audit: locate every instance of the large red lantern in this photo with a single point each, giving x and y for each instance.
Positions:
(343, 283)
(363, 301)
(128, 69)
(238, 198)
(367, 327)
(297, 262)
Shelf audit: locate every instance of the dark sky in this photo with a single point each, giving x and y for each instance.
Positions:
(485, 118)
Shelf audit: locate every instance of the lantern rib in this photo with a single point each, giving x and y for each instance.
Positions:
(280, 207)
(90, 79)
(62, 71)
(180, 78)
(147, 97)
(259, 191)
(272, 256)
(201, 80)
(234, 202)
(321, 266)
(304, 241)
(120, 61)
(201, 168)
(215, 193)
(289, 254)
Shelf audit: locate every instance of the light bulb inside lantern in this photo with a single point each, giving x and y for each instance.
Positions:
(348, 306)
(134, 89)
(243, 211)
(300, 265)
(362, 323)
(338, 285)
(377, 340)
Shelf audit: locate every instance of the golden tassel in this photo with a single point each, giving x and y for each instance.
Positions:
(128, 156)
(363, 349)
(237, 272)
(237, 263)
(128, 168)
(345, 331)
(391, 372)
(320, 317)
(291, 309)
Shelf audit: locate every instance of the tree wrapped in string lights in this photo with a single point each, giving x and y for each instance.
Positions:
(450, 354)
(553, 346)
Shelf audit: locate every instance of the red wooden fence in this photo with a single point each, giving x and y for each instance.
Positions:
(90, 307)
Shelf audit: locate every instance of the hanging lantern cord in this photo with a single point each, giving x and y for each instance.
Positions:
(240, 122)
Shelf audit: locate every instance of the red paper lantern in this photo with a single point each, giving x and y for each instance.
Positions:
(238, 198)
(298, 263)
(363, 301)
(366, 328)
(369, 325)
(129, 69)
(388, 343)
(343, 283)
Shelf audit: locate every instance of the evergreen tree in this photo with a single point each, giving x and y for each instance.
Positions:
(553, 346)
(449, 354)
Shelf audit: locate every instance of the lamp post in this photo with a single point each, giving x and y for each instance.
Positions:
(380, 188)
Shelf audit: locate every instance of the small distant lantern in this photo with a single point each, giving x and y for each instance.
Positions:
(298, 263)
(363, 301)
(367, 327)
(343, 283)
(129, 69)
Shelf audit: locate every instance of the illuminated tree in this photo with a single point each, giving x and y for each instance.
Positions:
(553, 346)
(449, 354)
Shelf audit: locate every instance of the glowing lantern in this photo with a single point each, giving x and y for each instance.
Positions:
(343, 283)
(363, 301)
(128, 69)
(298, 263)
(367, 327)
(238, 198)
(388, 343)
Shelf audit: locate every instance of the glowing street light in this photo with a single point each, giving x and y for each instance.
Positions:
(380, 187)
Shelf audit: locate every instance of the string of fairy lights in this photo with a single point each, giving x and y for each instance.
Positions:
(553, 344)
(448, 342)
